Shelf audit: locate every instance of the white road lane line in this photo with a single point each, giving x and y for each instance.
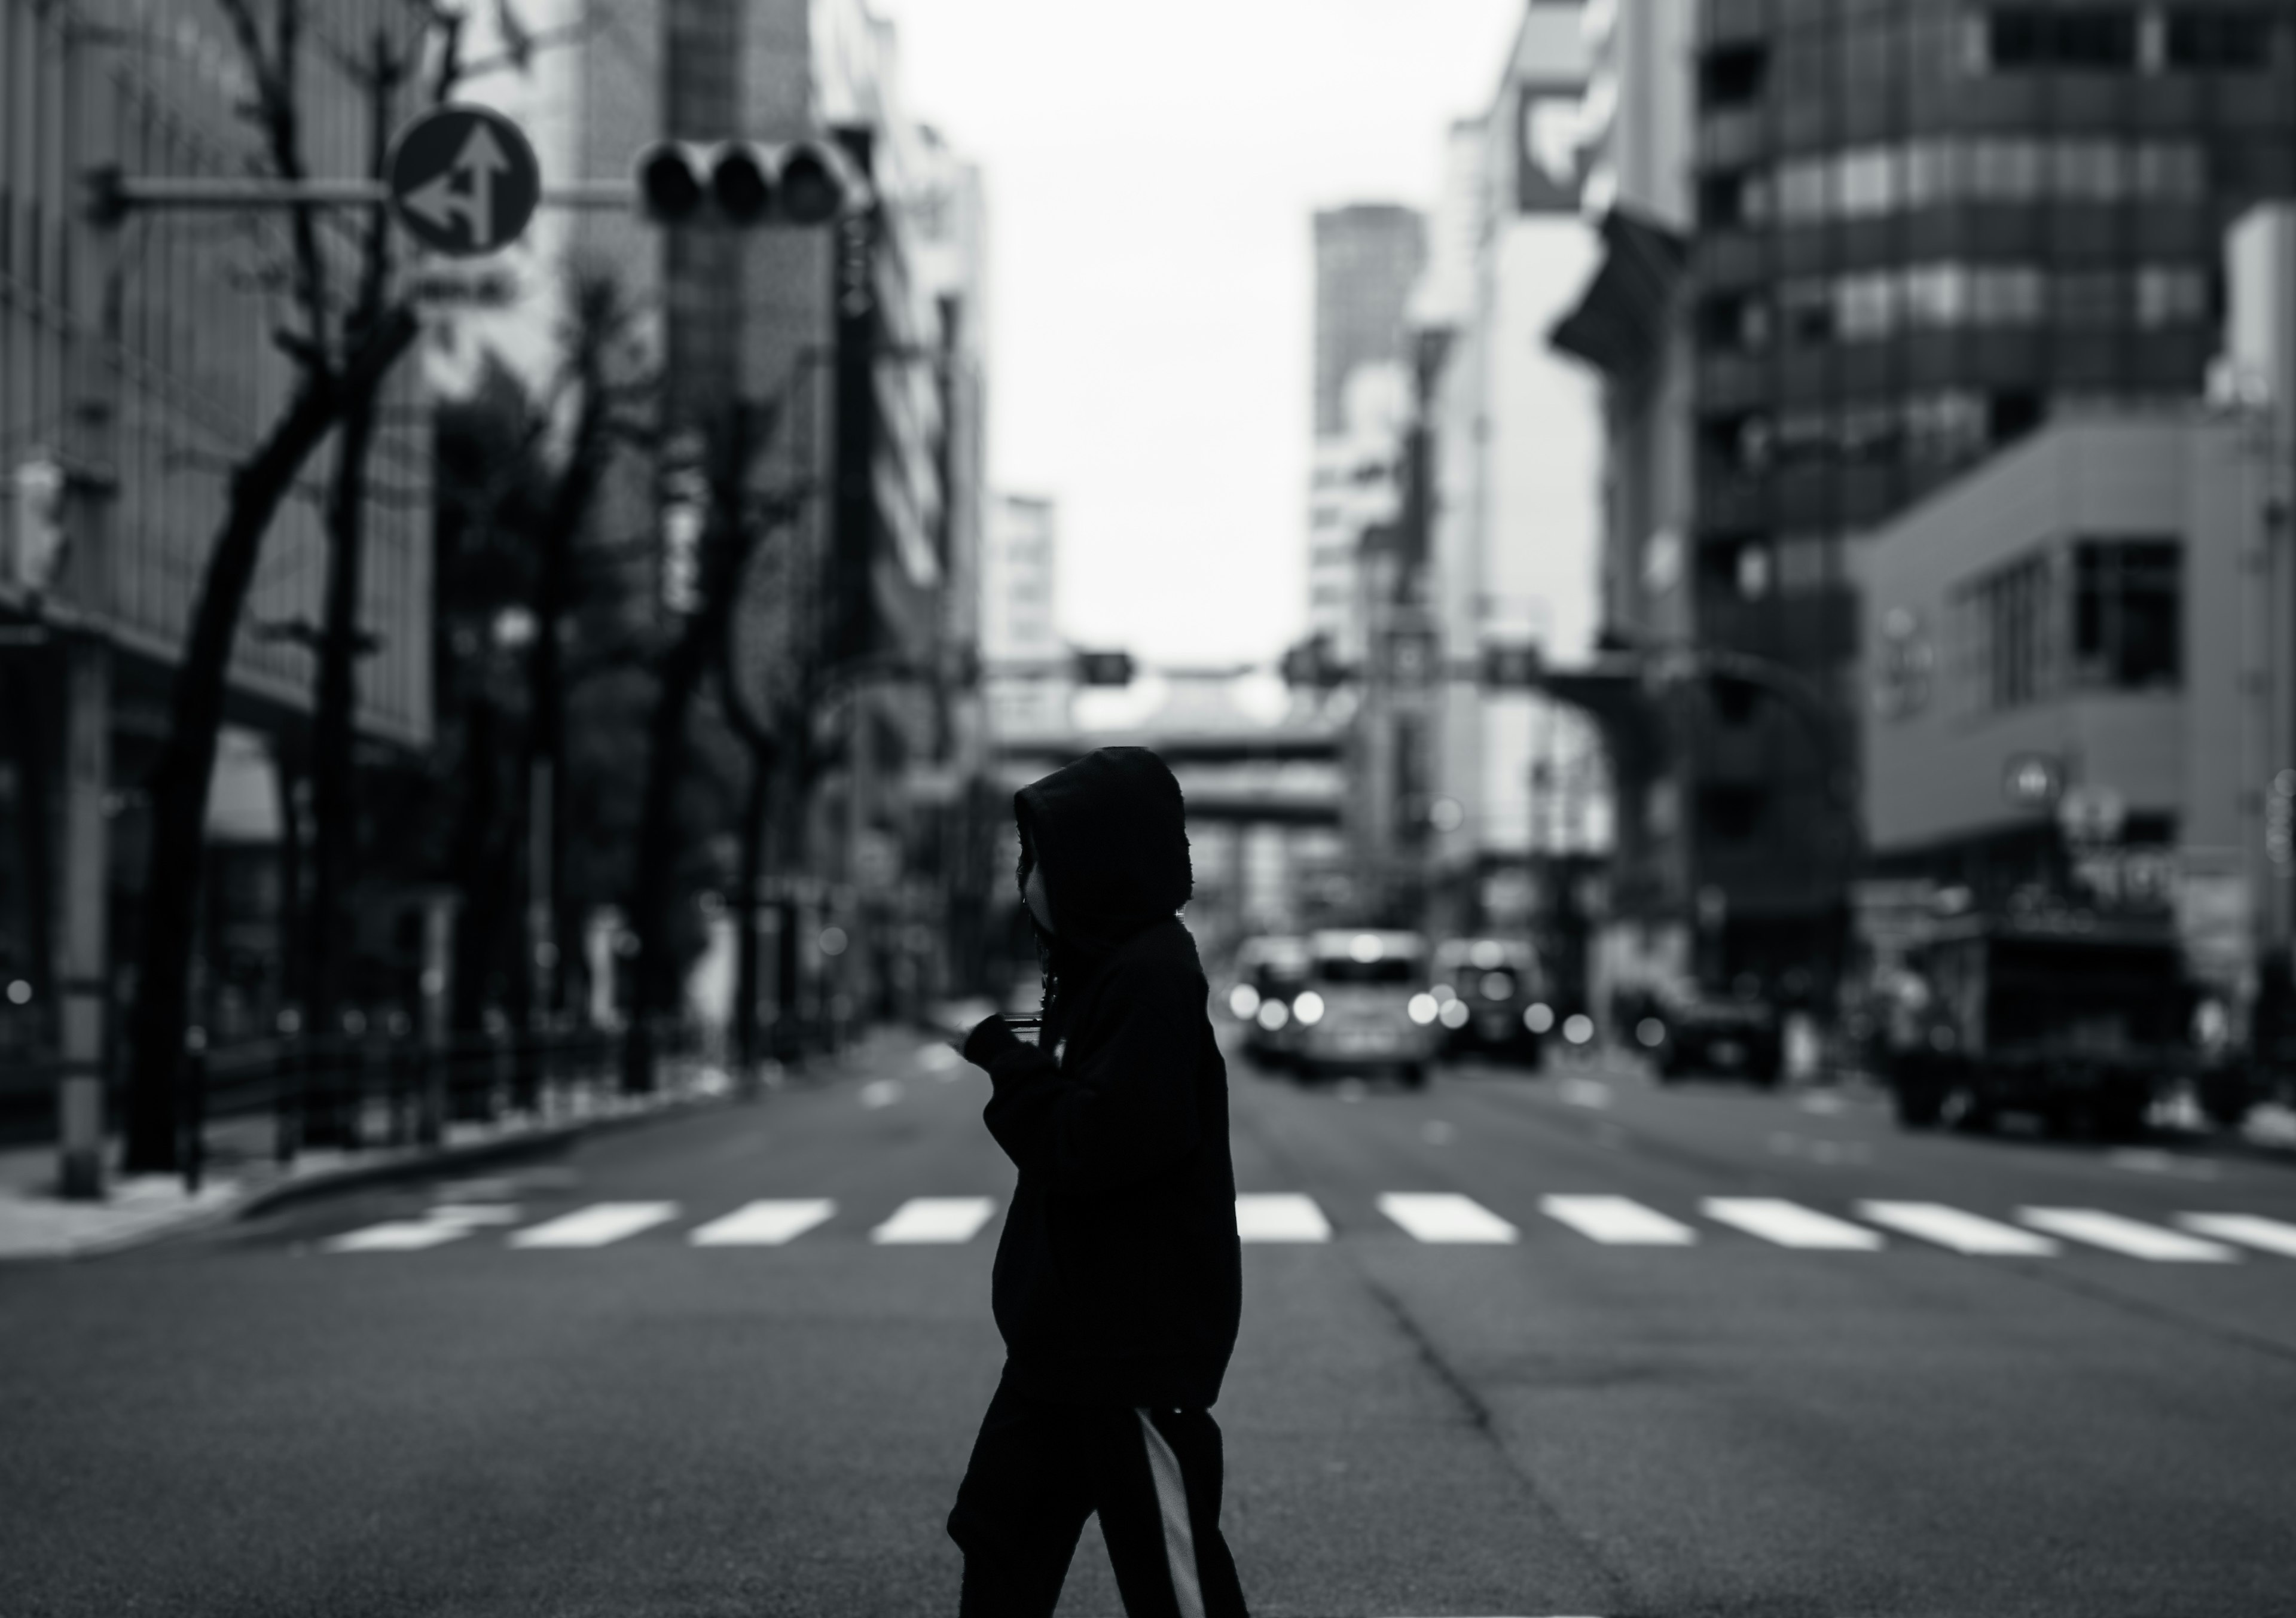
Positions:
(1617, 1221)
(1963, 1232)
(2248, 1230)
(2118, 1234)
(936, 1218)
(399, 1235)
(596, 1226)
(1280, 1217)
(1445, 1216)
(1790, 1224)
(764, 1223)
(474, 1213)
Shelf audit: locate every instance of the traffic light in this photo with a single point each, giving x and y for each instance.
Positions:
(745, 183)
(1518, 667)
(1311, 663)
(1734, 696)
(1103, 668)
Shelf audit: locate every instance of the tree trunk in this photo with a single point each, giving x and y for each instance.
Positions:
(757, 805)
(328, 939)
(180, 779)
(477, 865)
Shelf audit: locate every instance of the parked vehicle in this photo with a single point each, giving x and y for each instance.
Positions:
(2079, 1018)
(1270, 969)
(1367, 1006)
(1491, 997)
(1688, 1030)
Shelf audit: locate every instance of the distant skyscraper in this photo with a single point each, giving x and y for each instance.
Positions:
(1019, 563)
(1368, 257)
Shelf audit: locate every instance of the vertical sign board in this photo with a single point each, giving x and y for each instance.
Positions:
(855, 323)
(1548, 164)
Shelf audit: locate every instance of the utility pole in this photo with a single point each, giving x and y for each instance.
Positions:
(84, 961)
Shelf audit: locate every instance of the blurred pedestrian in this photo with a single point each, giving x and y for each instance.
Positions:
(1119, 1281)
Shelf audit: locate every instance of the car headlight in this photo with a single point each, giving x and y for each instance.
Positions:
(1308, 1005)
(1422, 1009)
(1456, 1013)
(1243, 1000)
(1651, 1031)
(1273, 1014)
(1579, 1028)
(1538, 1016)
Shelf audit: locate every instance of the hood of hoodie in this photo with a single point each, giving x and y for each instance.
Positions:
(1109, 833)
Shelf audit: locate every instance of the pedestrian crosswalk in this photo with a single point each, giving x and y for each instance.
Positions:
(1432, 1218)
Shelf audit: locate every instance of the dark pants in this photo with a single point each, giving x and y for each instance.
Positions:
(1038, 1470)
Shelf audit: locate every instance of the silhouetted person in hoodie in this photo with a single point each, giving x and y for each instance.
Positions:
(1118, 1280)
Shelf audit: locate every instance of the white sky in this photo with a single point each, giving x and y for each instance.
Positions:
(1151, 171)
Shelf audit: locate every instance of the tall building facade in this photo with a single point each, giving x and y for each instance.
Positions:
(1026, 678)
(137, 367)
(1368, 257)
(1505, 486)
(1915, 231)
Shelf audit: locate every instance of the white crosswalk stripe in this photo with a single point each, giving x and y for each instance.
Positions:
(1617, 1221)
(596, 1225)
(2133, 1237)
(2248, 1230)
(398, 1236)
(935, 1219)
(764, 1223)
(1963, 1232)
(1790, 1224)
(1445, 1216)
(1280, 1217)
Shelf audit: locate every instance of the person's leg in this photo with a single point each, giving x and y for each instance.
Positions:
(1157, 1484)
(1018, 1511)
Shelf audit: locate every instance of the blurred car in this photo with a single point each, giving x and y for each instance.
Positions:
(1367, 1004)
(1491, 996)
(1269, 971)
(1688, 1030)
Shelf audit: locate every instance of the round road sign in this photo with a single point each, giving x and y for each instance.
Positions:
(464, 180)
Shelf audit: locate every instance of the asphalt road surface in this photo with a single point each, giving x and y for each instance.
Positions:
(1569, 1343)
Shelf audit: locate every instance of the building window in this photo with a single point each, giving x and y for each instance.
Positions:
(2171, 295)
(1803, 191)
(2219, 37)
(1937, 295)
(2091, 299)
(1733, 75)
(2089, 170)
(1728, 200)
(2005, 295)
(1868, 182)
(2128, 618)
(1736, 322)
(2003, 624)
(2087, 37)
(1806, 311)
(1866, 306)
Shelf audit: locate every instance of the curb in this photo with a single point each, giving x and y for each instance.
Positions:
(413, 1164)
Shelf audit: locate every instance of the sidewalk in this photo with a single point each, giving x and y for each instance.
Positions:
(241, 1176)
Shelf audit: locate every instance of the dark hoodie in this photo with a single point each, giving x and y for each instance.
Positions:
(1118, 1277)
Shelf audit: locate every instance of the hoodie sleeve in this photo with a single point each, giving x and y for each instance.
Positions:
(1127, 1114)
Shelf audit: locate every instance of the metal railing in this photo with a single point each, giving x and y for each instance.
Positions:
(347, 1092)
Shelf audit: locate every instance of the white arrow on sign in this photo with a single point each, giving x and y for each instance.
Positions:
(438, 201)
